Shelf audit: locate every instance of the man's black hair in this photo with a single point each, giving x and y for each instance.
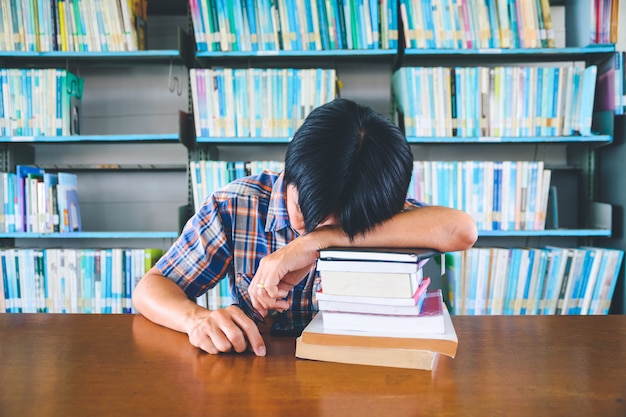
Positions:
(349, 161)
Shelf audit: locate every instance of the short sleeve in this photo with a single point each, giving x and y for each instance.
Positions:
(201, 255)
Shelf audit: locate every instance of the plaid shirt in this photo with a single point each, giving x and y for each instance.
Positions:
(229, 235)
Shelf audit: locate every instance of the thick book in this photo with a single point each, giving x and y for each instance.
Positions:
(429, 321)
(408, 306)
(370, 284)
(389, 357)
(445, 343)
(378, 254)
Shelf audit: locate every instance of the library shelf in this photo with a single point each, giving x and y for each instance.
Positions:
(91, 138)
(91, 235)
(547, 233)
(598, 139)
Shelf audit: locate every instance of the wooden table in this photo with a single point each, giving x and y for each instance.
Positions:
(124, 365)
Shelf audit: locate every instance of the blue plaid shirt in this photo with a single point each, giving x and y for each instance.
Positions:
(229, 235)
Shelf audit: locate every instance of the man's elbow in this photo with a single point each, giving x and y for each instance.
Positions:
(464, 235)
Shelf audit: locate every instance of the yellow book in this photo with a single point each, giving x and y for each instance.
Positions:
(62, 29)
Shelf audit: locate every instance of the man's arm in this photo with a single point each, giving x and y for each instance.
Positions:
(165, 303)
(441, 228)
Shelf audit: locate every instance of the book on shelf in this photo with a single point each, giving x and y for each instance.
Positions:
(430, 319)
(293, 26)
(78, 26)
(416, 351)
(474, 25)
(530, 281)
(513, 101)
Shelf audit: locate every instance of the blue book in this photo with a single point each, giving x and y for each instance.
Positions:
(607, 280)
(308, 25)
(512, 278)
(4, 88)
(580, 286)
(525, 295)
(544, 260)
(6, 284)
(13, 271)
(497, 196)
(86, 257)
(200, 30)
(515, 39)
(323, 24)
(557, 266)
(393, 27)
(447, 16)
(67, 200)
(529, 219)
(429, 25)
(242, 33)
(294, 24)
(375, 20)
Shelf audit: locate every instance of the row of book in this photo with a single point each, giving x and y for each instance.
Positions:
(457, 24)
(530, 281)
(495, 101)
(294, 25)
(72, 280)
(375, 308)
(210, 176)
(72, 25)
(499, 195)
(257, 102)
(36, 201)
(39, 102)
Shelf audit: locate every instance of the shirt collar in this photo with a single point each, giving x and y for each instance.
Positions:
(277, 215)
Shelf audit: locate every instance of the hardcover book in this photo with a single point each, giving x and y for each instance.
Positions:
(430, 319)
(378, 254)
(408, 306)
(418, 351)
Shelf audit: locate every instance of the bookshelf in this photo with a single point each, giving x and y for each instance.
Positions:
(573, 158)
(131, 168)
(128, 150)
(129, 133)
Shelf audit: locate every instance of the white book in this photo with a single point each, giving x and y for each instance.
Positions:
(377, 254)
(372, 284)
(430, 320)
(409, 306)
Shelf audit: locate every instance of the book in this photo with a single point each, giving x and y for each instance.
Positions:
(418, 351)
(377, 254)
(445, 343)
(430, 319)
(390, 357)
(370, 284)
(409, 306)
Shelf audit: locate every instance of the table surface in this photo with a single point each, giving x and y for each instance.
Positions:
(124, 365)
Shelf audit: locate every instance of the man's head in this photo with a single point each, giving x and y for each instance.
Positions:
(350, 164)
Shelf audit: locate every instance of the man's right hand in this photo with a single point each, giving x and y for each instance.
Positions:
(225, 330)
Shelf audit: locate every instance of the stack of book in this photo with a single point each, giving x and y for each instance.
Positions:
(375, 308)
